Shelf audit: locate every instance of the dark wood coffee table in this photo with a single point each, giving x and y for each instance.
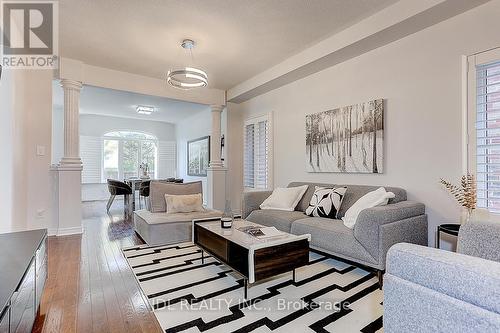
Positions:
(255, 259)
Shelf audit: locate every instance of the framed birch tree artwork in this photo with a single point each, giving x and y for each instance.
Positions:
(349, 139)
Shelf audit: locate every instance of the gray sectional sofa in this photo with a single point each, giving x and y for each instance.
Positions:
(432, 290)
(376, 229)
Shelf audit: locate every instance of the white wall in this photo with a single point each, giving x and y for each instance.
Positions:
(232, 129)
(188, 129)
(97, 125)
(420, 78)
(27, 200)
(234, 155)
(27, 117)
(37, 99)
(6, 132)
(57, 134)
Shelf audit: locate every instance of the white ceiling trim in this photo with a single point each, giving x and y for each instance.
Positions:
(390, 24)
(118, 80)
(123, 104)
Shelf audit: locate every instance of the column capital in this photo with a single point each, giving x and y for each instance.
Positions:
(70, 164)
(71, 84)
(217, 108)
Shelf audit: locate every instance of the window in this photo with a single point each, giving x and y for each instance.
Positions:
(111, 148)
(484, 127)
(118, 155)
(257, 153)
(124, 152)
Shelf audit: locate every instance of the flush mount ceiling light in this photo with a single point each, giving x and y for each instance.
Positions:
(142, 109)
(187, 77)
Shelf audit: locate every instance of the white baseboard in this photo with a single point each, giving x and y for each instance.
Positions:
(69, 231)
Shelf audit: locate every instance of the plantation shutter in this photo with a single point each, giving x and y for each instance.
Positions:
(488, 136)
(167, 159)
(261, 151)
(249, 179)
(256, 153)
(90, 153)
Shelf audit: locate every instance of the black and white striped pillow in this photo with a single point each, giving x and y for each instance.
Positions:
(326, 202)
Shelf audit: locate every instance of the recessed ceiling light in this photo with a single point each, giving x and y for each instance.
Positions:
(142, 109)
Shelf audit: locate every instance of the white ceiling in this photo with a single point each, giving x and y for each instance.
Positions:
(236, 39)
(109, 102)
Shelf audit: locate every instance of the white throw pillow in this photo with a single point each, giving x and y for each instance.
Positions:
(379, 197)
(326, 202)
(284, 198)
(186, 203)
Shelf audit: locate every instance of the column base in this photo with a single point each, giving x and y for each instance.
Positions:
(69, 231)
(69, 200)
(216, 187)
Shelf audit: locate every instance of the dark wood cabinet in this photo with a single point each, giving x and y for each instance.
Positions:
(24, 276)
(5, 321)
(41, 272)
(22, 303)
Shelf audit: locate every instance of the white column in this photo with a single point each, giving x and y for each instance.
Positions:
(215, 148)
(69, 170)
(71, 89)
(216, 173)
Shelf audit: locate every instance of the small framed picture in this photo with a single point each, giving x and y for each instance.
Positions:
(198, 154)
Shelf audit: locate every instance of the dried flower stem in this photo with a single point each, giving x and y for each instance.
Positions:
(465, 194)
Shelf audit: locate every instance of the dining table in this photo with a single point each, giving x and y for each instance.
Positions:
(135, 184)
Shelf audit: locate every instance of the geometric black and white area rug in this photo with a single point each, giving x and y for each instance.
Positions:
(188, 296)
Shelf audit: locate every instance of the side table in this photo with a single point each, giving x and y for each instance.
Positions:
(448, 228)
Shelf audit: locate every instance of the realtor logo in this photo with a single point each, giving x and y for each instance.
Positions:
(29, 34)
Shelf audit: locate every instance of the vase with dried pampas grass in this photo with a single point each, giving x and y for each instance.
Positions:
(465, 193)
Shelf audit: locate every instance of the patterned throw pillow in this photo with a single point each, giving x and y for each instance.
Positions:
(326, 202)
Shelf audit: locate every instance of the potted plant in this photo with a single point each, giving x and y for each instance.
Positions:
(465, 193)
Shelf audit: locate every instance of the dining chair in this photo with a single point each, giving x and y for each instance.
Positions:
(115, 188)
(144, 192)
(167, 180)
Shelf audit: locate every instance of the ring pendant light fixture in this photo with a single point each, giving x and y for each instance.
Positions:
(187, 77)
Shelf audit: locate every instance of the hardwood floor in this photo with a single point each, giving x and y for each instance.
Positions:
(90, 287)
